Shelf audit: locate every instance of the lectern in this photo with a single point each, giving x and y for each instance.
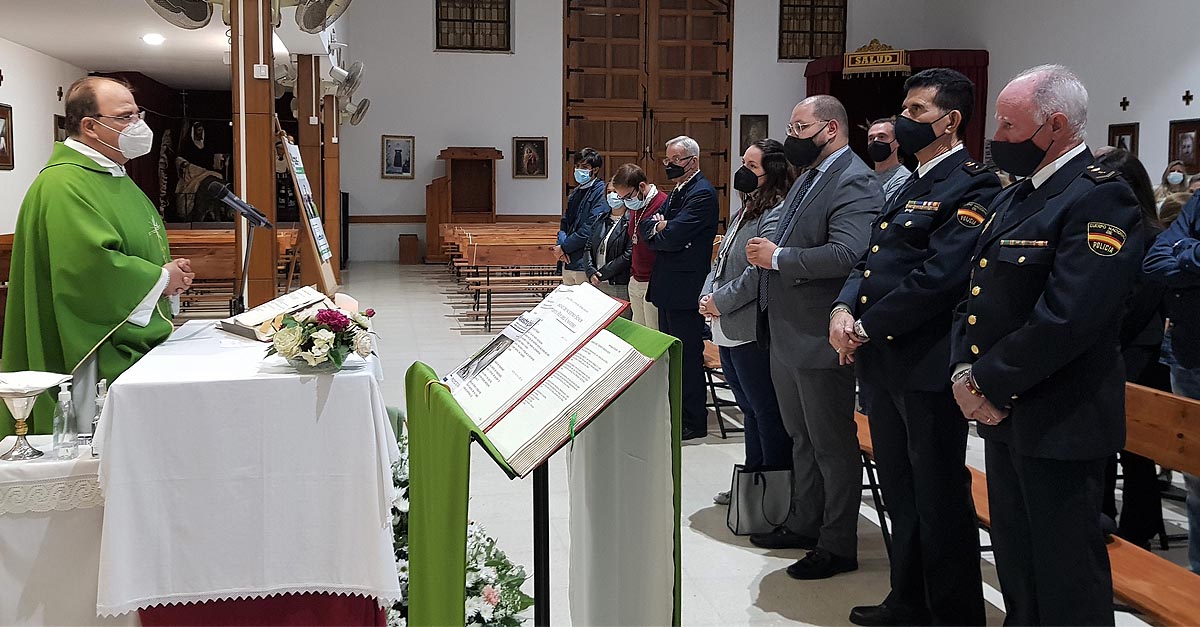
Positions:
(467, 194)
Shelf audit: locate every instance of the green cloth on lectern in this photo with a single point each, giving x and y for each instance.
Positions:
(88, 247)
(439, 482)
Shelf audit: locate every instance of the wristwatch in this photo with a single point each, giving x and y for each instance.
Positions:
(858, 330)
(840, 308)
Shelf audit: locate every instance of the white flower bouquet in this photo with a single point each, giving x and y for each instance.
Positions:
(323, 338)
(493, 592)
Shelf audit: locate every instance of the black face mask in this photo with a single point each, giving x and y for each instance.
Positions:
(913, 135)
(745, 180)
(879, 151)
(675, 170)
(1019, 158)
(803, 151)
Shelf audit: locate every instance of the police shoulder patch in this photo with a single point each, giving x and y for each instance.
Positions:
(971, 215)
(974, 167)
(1099, 174)
(1105, 239)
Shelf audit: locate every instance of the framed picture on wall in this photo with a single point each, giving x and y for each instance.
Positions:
(529, 158)
(60, 128)
(6, 137)
(397, 158)
(753, 128)
(1124, 136)
(1185, 135)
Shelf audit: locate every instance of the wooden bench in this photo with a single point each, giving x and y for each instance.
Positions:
(1162, 427)
(713, 372)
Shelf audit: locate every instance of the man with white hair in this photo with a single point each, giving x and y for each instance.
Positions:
(682, 235)
(1036, 346)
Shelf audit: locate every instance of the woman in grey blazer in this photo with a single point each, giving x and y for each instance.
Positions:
(730, 299)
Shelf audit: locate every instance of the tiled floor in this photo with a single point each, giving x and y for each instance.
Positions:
(726, 581)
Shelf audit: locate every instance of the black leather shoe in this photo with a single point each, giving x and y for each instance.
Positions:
(782, 538)
(882, 615)
(692, 434)
(821, 564)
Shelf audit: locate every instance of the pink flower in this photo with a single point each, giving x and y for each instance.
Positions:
(335, 320)
(491, 595)
(370, 313)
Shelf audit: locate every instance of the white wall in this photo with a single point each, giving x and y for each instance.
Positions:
(31, 82)
(449, 99)
(1144, 51)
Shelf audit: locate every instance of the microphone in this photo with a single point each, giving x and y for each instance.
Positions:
(221, 193)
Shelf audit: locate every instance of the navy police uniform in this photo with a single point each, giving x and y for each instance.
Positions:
(904, 291)
(1040, 327)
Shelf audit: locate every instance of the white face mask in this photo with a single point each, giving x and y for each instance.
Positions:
(133, 142)
(1175, 178)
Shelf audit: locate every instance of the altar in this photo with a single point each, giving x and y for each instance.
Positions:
(221, 477)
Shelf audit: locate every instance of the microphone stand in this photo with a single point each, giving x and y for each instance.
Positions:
(237, 304)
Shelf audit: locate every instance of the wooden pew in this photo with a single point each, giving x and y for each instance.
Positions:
(1162, 427)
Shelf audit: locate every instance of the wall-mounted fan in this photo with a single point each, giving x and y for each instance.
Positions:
(188, 14)
(285, 79)
(354, 112)
(312, 16)
(347, 81)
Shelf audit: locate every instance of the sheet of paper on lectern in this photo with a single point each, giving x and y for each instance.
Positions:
(257, 323)
(497, 378)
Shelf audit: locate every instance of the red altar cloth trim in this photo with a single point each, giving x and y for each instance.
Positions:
(290, 610)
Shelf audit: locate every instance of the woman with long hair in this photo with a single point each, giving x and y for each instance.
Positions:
(1172, 181)
(730, 297)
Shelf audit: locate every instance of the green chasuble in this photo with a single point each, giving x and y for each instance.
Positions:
(88, 248)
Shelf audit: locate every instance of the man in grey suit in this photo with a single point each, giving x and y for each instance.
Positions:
(823, 230)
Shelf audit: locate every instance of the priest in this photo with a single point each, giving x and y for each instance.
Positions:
(91, 271)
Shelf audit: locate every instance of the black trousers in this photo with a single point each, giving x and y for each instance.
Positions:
(1141, 504)
(688, 326)
(1050, 552)
(920, 441)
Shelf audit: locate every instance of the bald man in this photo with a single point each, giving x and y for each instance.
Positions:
(91, 270)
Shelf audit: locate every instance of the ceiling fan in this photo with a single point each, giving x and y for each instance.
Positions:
(312, 16)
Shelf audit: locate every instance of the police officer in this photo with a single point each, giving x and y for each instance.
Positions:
(893, 320)
(1039, 361)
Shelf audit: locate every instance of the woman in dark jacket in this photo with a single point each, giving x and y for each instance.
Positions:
(609, 251)
(1141, 339)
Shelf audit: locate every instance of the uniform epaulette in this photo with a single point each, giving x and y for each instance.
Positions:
(1099, 174)
(974, 167)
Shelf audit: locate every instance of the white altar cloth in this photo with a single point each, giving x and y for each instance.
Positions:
(50, 516)
(226, 479)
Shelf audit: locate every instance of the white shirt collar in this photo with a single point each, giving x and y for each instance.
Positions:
(1049, 169)
(113, 167)
(924, 168)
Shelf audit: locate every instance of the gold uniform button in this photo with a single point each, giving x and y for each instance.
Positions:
(863, 300)
(971, 319)
(883, 225)
(974, 349)
(875, 248)
(867, 274)
(909, 223)
(1021, 259)
(983, 263)
(1014, 397)
(891, 337)
(975, 291)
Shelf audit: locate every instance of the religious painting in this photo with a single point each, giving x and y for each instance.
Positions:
(1124, 136)
(754, 128)
(1185, 134)
(529, 158)
(397, 157)
(60, 128)
(6, 137)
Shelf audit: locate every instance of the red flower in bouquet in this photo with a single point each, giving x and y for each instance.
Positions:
(335, 320)
(370, 313)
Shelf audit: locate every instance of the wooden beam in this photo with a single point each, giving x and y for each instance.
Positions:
(332, 187)
(254, 136)
(308, 105)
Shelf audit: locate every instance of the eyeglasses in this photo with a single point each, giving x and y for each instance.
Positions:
(140, 114)
(795, 128)
(678, 160)
(631, 195)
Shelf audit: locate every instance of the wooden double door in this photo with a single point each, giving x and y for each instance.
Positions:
(640, 72)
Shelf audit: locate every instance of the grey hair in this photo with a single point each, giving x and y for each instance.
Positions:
(689, 145)
(1058, 90)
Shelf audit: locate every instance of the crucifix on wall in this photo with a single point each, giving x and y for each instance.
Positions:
(1, 77)
(1188, 97)
(1124, 103)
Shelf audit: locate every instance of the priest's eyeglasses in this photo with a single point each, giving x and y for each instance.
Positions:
(140, 114)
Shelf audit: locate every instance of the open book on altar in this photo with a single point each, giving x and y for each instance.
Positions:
(263, 321)
(547, 375)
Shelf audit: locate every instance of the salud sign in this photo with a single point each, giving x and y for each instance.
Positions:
(876, 58)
